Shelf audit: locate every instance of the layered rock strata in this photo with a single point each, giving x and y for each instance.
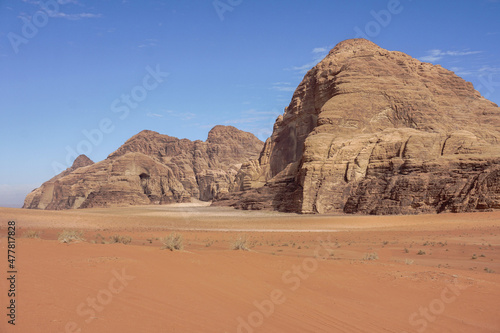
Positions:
(373, 131)
(151, 168)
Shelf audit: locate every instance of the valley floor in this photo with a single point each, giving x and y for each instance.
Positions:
(426, 273)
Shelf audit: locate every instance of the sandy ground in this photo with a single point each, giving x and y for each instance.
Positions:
(302, 273)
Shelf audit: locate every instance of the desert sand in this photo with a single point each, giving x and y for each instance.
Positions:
(302, 273)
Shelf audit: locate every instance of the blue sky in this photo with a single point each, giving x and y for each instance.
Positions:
(84, 76)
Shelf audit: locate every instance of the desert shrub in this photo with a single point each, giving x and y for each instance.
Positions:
(121, 239)
(408, 261)
(370, 256)
(99, 239)
(421, 253)
(68, 236)
(241, 243)
(172, 242)
(31, 234)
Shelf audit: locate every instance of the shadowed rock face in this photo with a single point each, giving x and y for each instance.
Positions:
(377, 132)
(151, 168)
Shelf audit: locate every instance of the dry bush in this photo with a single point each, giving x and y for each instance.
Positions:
(241, 243)
(31, 234)
(172, 242)
(68, 236)
(121, 239)
(100, 239)
(370, 256)
(408, 261)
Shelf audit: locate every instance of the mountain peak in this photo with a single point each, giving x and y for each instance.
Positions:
(81, 161)
(221, 134)
(374, 131)
(354, 44)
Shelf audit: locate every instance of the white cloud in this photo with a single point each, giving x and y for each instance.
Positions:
(181, 115)
(151, 42)
(435, 55)
(461, 53)
(172, 113)
(245, 120)
(320, 50)
(154, 115)
(255, 112)
(256, 117)
(283, 86)
(319, 54)
(60, 13)
(304, 68)
(489, 69)
(74, 17)
(461, 71)
(65, 2)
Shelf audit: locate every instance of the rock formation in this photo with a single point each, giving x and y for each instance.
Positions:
(377, 132)
(368, 131)
(151, 168)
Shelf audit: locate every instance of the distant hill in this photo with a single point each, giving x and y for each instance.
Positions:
(151, 168)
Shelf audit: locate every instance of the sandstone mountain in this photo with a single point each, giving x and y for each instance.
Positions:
(377, 132)
(151, 168)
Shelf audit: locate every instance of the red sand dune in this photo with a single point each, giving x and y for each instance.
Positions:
(302, 274)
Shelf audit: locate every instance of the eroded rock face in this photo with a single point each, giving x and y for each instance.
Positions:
(151, 168)
(81, 161)
(377, 132)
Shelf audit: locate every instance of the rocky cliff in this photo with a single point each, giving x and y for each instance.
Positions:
(377, 132)
(151, 168)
